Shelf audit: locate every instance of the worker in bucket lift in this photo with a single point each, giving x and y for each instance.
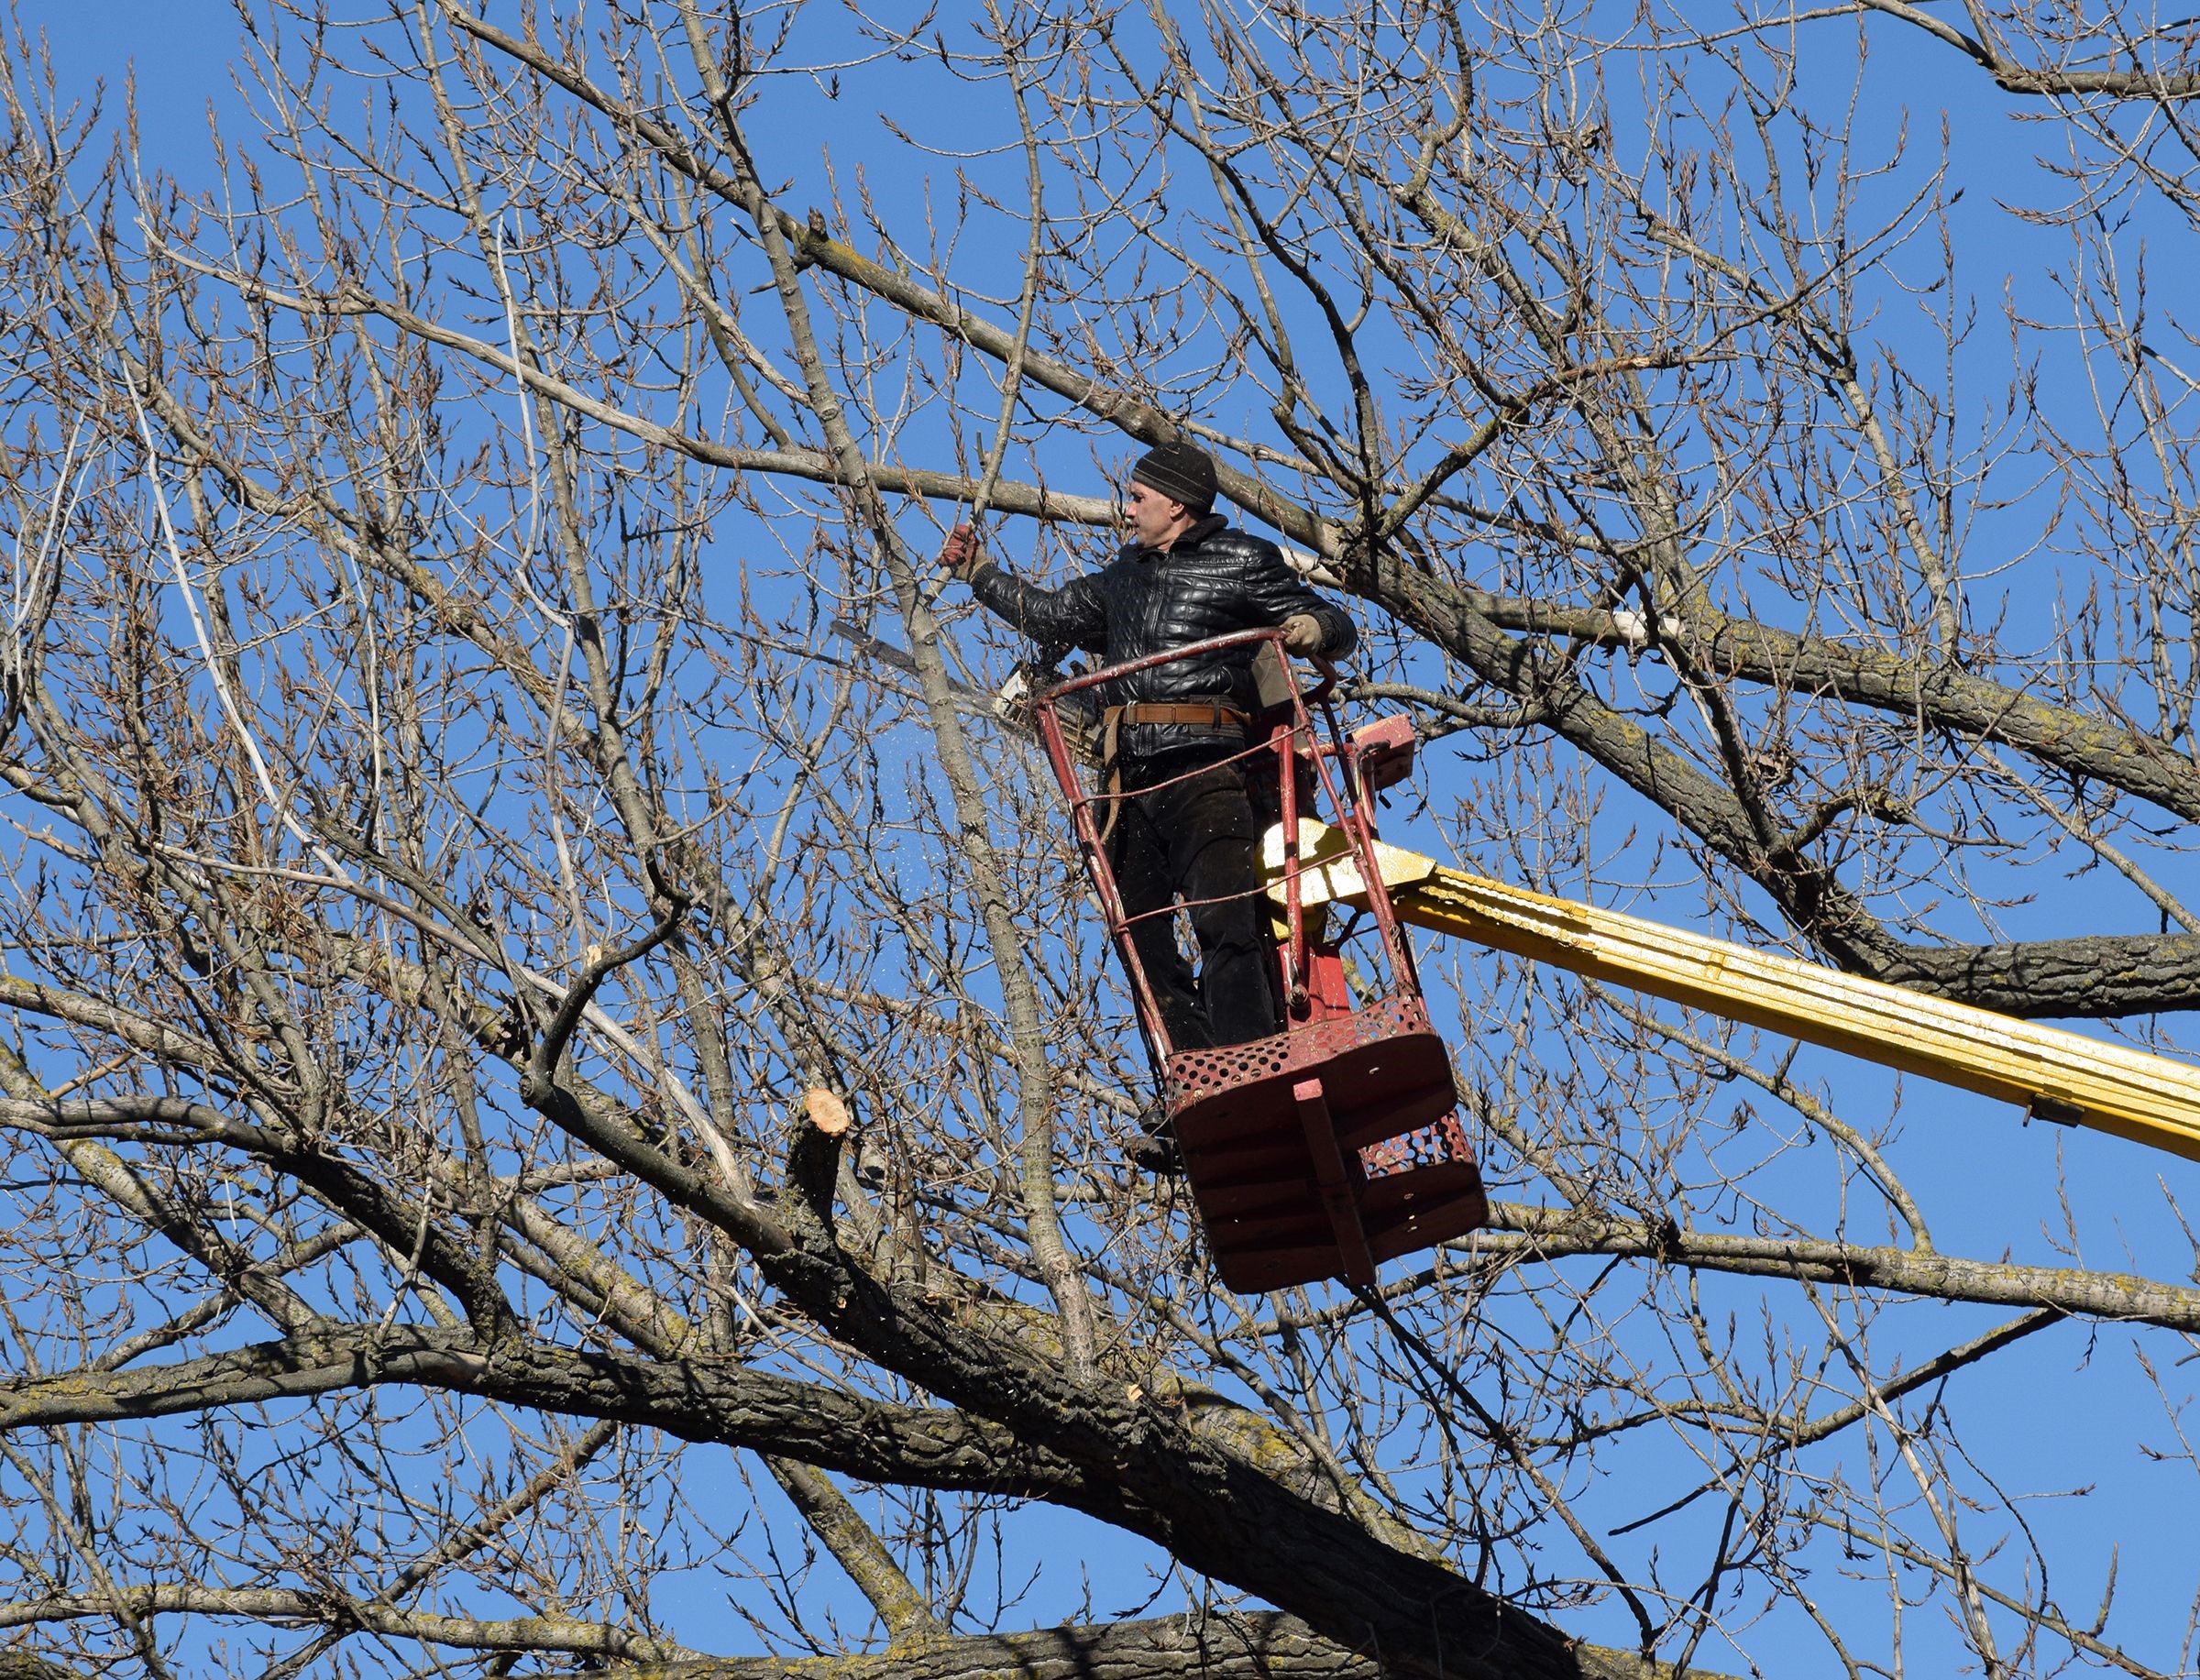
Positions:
(1184, 825)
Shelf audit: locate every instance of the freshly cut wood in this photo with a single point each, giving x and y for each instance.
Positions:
(825, 1111)
(2058, 1076)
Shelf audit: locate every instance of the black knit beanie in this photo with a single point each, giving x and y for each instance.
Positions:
(1181, 472)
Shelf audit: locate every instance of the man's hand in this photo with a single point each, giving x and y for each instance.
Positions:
(959, 555)
(1302, 633)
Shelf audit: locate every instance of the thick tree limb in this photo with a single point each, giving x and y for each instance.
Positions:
(1937, 694)
(1219, 1646)
(856, 1548)
(2118, 1297)
(2011, 77)
(343, 1185)
(722, 1403)
(1218, 1515)
(565, 1634)
(2099, 975)
(25, 1665)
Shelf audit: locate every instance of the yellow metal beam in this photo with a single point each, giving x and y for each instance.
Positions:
(2060, 1076)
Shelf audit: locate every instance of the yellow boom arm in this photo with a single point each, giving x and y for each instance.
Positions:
(2057, 1075)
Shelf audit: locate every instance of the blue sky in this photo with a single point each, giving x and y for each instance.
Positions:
(1992, 1182)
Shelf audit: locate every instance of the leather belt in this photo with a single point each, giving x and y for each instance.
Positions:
(1204, 714)
(1209, 714)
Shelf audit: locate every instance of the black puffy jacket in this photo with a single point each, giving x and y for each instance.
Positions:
(1213, 581)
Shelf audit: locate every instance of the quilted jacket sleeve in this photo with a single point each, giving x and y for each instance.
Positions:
(1071, 616)
(1279, 592)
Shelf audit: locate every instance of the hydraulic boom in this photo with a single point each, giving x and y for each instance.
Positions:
(2056, 1075)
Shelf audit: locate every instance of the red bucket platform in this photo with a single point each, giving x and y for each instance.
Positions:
(1322, 1151)
(1333, 1146)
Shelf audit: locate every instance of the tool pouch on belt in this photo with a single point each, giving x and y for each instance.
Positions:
(1273, 690)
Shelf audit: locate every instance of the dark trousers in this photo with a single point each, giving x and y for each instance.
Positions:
(1197, 838)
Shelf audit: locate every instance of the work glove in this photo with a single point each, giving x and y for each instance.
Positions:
(1302, 633)
(959, 555)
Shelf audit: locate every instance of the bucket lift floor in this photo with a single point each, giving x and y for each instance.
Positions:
(1321, 1152)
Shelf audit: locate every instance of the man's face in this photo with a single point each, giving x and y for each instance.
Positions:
(1153, 519)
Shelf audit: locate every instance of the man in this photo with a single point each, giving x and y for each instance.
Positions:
(1185, 825)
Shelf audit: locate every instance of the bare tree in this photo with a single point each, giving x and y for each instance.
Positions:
(564, 1093)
